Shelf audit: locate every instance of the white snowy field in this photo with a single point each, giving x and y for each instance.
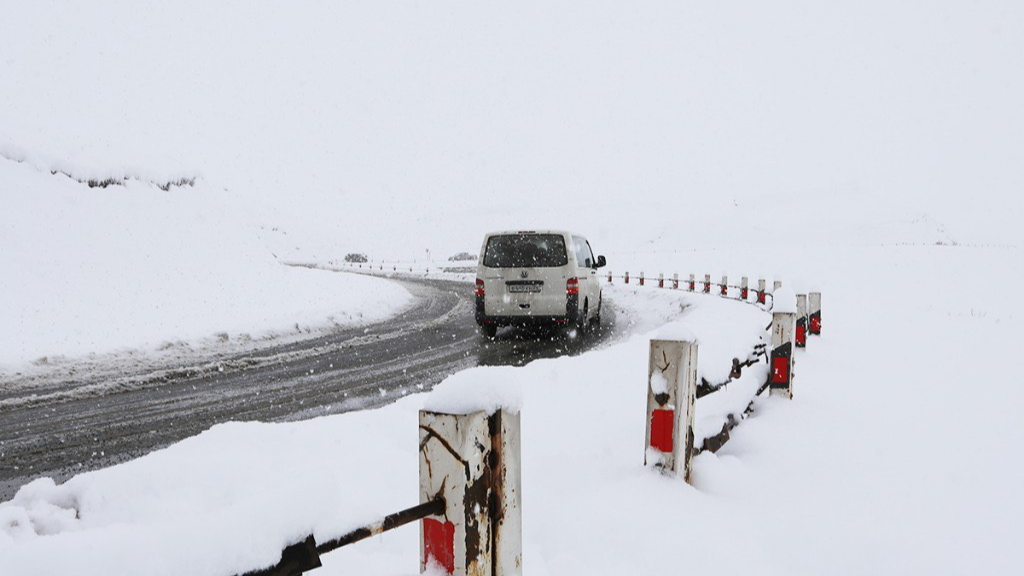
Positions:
(91, 270)
(894, 456)
(870, 150)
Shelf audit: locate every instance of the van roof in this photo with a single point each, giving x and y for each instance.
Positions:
(536, 231)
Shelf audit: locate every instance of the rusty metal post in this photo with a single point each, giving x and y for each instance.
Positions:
(693, 283)
(707, 283)
(744, 289)
(814, 309)
(801, 321)
(671, 391)
(760, 291)
(780, 373)
(724, 286)
(472, 461)
(675, 281)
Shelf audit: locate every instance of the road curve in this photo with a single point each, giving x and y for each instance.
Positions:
(97, 417)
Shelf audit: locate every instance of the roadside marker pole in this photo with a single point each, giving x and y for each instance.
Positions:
(815, 313)
(780, 372)
(744, 290)
(671, 391)
(707, 283)
(760, 291)
(724, 286)
(801, 321)
(641, 278)
(675, 281)
(627, 278)
(693, 283)
(661, 280)
(609, 276)
(472, 461)
(776, 285)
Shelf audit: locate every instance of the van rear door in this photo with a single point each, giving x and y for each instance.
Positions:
(524, 274)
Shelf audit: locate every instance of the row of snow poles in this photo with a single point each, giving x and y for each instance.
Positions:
(722, 287)
(672, 388)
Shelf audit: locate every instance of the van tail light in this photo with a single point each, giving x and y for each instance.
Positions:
(479, 288)
(572, 286)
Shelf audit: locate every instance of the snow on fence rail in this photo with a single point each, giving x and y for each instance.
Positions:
(470, 510)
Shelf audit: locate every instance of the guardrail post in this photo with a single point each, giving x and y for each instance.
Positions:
(693, 283)
(671, 391)
(815, 313)
(801, 321)
(661, 280)
(760, 291)
(626, 279)
(473, 462)
(675, 281)
(641, 278)
(744, 289)
(724, 286)
(780, 372)
(707, 283)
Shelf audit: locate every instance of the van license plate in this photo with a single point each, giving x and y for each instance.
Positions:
(521, 288)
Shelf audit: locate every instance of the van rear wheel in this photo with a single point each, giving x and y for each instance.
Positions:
(489, 330)
(582, 323)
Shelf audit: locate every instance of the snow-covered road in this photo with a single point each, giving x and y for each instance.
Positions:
(88, 416)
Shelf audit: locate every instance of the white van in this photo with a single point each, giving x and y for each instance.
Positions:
(537, 277)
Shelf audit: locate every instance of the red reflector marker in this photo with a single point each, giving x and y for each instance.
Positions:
(572, 286)
(661, 429)
(479, 287)
(780, 369)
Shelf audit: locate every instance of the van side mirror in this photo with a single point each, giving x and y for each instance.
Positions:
(601, 262)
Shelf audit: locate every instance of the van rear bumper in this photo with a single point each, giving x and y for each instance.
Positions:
(571, 314)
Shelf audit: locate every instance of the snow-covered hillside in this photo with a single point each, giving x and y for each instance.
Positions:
(870, 150)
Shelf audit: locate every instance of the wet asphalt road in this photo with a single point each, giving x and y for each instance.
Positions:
(84, 425)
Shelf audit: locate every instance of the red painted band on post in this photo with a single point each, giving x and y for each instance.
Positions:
(744, 294)
(815, 324)
(662, 422)
(439, 544)
(801, 336)
(760, 297)
(780, 369)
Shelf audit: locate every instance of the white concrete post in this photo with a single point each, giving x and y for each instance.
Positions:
(801, 321)
(776, 285)
(724, 286)
(707, 283)
(671, 391)
(473, 462)
(780, 372)
(675, 281)
(744, 289)
(814, 310)
(760, 291)
(693, 283)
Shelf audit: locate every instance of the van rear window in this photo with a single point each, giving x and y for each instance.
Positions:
(525, 251)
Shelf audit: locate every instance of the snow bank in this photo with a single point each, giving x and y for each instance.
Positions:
(91, 270)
